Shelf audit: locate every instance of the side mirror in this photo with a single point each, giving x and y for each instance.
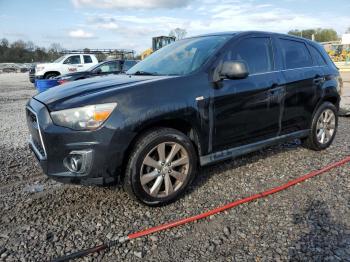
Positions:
(98, 71)
(234, 70)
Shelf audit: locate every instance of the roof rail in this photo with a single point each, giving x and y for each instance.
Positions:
(100, 51)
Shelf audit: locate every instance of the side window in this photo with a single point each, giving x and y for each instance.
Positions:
(128, 64)
(108, 67)
(73, 60)
(256, 52)
(317, 56)
(87, 59)
(295, 54)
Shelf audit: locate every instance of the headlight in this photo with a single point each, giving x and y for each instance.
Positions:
(83, 118)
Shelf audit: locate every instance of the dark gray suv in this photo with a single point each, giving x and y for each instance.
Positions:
(192, 103)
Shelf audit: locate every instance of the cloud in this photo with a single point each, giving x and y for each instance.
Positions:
(134, 29)
(138, 4)
(103, 22)
(79, 33)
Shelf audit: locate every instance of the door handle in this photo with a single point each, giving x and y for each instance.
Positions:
(273, 88)
(274, 85)
(80, 65)
(318, 79)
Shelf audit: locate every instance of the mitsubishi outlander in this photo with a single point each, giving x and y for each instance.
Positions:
(192, 103)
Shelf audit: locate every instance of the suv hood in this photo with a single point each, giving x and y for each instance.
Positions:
(55, 97)
(48, 65)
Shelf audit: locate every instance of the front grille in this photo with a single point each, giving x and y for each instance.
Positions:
(36, 139)
(32, 70)
(32, 118)
(38, 147)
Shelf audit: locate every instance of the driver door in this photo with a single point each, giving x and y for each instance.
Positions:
(247, 110)
(73, 64)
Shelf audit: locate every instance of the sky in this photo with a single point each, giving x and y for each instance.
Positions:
(131, 24)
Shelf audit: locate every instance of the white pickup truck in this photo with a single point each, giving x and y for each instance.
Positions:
(63, 65)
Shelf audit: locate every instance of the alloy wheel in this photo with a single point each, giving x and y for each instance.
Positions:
(164, 169)
(325, 128)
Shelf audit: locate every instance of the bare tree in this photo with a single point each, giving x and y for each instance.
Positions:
(56, 48)
(178, 33)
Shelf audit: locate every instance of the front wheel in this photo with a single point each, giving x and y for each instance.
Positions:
(161, 166)
(51, 75)
(323, 128)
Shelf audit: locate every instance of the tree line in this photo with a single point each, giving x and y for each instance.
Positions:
(27, 52)
(319, 34)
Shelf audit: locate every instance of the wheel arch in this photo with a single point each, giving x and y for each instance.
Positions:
(178, 124)
(332, 99)
(50, 72)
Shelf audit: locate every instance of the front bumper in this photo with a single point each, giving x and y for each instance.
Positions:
(52, 145)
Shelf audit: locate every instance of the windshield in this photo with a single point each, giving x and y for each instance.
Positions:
(59, 59)
(181, 57)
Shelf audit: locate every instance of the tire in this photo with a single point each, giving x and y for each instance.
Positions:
(313, 141)
(180, 176)
(51, 75)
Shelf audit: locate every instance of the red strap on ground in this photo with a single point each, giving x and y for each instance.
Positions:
(238, 202)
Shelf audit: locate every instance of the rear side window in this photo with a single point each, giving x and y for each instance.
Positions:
(318, 58)
(256, 52)
(73, 60)
(295, 54)
(87, 59)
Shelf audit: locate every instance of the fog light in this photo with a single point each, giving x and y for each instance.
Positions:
(75, 163)
(78, 161)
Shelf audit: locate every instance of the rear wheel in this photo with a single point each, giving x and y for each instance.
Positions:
(323, 128)
(161, 166)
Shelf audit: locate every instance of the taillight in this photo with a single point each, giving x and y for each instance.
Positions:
(61, 82)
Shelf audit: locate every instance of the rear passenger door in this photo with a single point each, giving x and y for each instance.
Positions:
(302, 77)
(87, 62)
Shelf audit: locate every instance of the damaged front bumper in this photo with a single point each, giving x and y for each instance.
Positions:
(70, 156)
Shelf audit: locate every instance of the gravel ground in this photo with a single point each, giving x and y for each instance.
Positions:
(42, 219)
(345, 102)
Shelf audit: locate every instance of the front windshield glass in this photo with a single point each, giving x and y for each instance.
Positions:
(181, 57)
(59, 59)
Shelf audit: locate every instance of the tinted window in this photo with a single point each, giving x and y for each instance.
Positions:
(73, 60)
(256, 52)
(295, 54)
(318, 58)
(128, 64)
(109, 67)
(87, 59)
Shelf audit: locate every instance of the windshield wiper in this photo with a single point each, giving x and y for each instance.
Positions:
(144, 73)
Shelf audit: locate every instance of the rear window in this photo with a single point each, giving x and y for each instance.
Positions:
(317, 56)
(295, 54)
(87, 59)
